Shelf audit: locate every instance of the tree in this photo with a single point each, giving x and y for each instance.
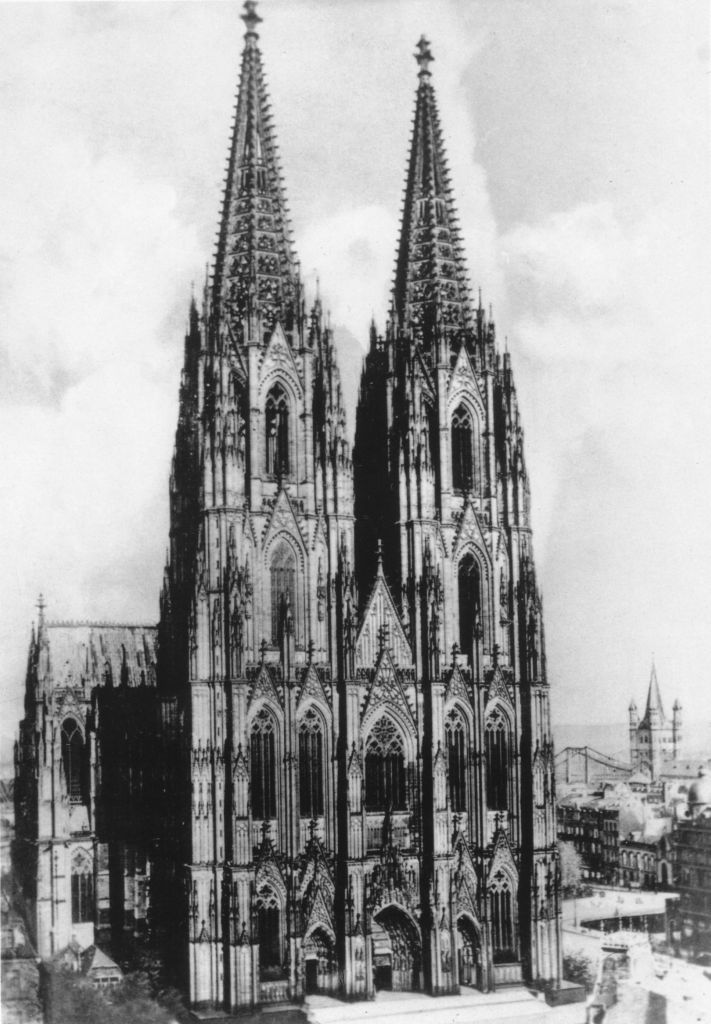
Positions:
(571, 868)
(580, 969)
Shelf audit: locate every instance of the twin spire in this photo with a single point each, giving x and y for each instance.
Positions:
(255, 268)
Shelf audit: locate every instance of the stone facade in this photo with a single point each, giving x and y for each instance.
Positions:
(351, 763)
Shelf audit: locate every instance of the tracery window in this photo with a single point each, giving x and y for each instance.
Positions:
(470, 624)
(73, 760)
(385, 787)
(311, 766)
(462, 450)
(277, 428)
(455, 735)
(283, 587)
(497, 748)
(502, 925)
(263, 764)
(269, 931)
(82, 889)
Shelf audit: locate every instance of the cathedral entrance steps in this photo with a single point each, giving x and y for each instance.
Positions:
(504, 1007)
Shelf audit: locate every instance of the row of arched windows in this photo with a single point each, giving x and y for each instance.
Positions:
(385, 765)
(277, 461)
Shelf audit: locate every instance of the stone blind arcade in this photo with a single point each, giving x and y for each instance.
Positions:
(350, 779)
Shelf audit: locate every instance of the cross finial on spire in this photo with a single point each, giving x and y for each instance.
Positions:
(380, 555)
(424, 56)
(250, 17)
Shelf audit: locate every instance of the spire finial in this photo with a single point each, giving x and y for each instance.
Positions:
(380, 555)
(424, 56)
(250, 17)
(40, 608)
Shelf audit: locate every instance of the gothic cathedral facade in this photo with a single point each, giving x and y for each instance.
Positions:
(355, 646)
(353, 761)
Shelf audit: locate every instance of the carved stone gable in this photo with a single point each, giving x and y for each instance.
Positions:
(264, 686)
(381, 615)
(498, 690)
(278, 353)
(465, 882)
(283, 519)
(469, 531)
(386, 688)
(456, 687)
(502, 860)
(463, 378)
(311, 687)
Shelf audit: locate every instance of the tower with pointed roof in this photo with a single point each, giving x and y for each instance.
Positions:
(655, 740)
(439, 439)
(258, 600)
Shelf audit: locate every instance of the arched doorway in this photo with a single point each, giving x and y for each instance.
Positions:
(397, 952)
(320, 973)
(469, 954)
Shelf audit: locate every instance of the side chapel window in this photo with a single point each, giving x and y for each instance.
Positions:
(269, 931)
(385, 769)
(263, 764)
(310, 766)
(82, 889)
(455, 736)
(462, 450)
(277, 427)
(73, 760)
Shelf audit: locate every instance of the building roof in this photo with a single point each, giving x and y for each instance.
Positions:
(94, 959)
(84, 653)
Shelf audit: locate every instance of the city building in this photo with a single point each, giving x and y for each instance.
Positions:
(332, 768)
(593, 828)
(692, 867)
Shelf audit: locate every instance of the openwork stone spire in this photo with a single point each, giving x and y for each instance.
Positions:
(255, 266)
(430, 291)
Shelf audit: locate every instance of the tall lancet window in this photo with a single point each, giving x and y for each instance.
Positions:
(502, 923)
(311, 766)
(470, 621)
(385, 769)
(462, 450)
(497, 740)
(283, 588)
(277, 424)
(455, 734)
(263, 764)
(73, 761)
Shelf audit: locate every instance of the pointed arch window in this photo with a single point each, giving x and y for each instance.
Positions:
(263, 765)
(502, 923)
(82, 889)
(470, 624)
(385, 787)
(73, 761)
(455, 736)
(283, 588)
(311, 765)
(462, 449)
(269, 928)
(277, 428)
(497, 745)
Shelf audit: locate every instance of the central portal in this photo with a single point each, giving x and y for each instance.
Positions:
(397, 952)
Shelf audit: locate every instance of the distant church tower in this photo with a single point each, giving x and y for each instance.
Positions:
(655, 740)
(357, 740)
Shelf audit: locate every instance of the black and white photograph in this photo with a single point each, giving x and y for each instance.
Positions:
(354, 507)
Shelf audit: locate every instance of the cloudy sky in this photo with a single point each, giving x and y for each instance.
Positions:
(578, 141)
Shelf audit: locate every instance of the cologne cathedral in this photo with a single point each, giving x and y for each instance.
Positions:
(330, 768)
